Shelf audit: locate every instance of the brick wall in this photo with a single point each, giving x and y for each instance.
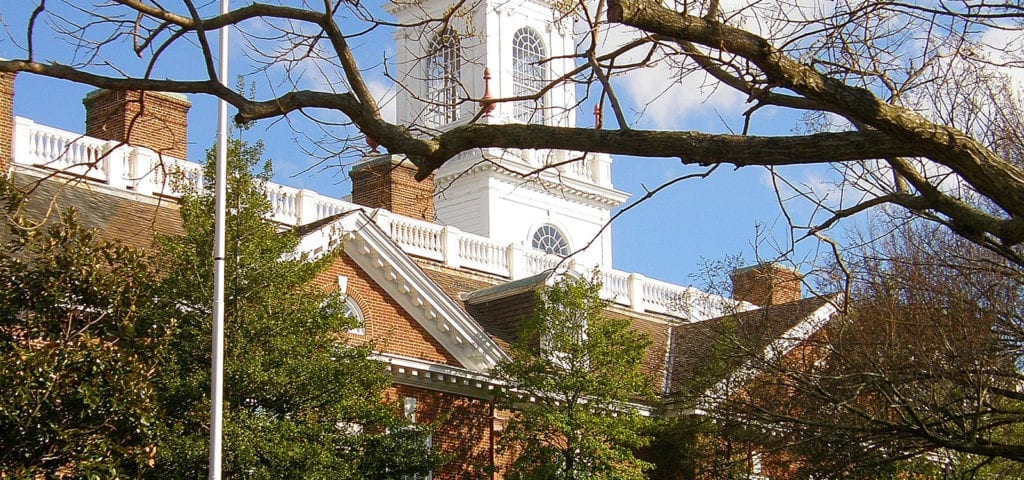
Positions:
(388, 181)
(387, 323)
(158, 121)
(6, 122)
(464, 434)
(767, 284)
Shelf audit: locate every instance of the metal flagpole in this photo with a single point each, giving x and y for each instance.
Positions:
(220, 190)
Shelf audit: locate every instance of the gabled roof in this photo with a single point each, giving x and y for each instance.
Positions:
(709, 355)
(398, 274)
(502, 308)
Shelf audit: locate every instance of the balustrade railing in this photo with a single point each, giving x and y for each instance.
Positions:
(143, 171)
(481, 253)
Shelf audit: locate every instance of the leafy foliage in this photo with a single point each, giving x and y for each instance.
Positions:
(300, 402)
(571, 379)
(77, 353)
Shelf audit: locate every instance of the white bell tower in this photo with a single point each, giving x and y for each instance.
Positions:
(552, 201)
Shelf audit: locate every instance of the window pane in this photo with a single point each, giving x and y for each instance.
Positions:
(549, 239)
(443, 79)
(529, 72)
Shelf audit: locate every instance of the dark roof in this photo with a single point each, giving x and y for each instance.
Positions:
(121, 216)
(709, 351)
(506, 289)
(501, 309)
(303, 230)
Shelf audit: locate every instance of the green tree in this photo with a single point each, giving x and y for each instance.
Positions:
(77, 353)
(572, 380)
(300, 402)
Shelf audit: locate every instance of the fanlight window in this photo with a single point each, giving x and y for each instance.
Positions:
(549, 239)
(351, 309)
(444, 65)
(345, 306)
(529, 71)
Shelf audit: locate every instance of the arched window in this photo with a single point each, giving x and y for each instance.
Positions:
(529, 71)
(549, 239)
(346, 306)
(351, 309)
(444, 64)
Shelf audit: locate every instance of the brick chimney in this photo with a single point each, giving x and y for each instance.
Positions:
(6, 122)
(388, 181)
(767, 284)
(154, 120)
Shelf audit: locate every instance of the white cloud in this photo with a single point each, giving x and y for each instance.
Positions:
(385, 94)
(659, 95)
(1005, 46)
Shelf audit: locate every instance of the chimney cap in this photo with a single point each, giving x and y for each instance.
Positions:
(764, 266)
(180, 97)
(768, 283)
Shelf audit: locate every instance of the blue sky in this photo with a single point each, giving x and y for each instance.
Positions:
(666, 238)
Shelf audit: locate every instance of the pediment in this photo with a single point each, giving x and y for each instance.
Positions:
(401, 278)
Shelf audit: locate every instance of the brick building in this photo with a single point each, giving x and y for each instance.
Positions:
(438, 271)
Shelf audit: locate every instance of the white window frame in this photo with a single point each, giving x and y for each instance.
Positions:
(529, 75)
(540, 240)
(352, 310)
(443, 79)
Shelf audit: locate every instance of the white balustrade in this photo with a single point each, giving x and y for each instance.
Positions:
(417, 237)
(615, 286)
(579, 168)
(537, 262)
(481, 253)
(146, 172)
(324, 207)
(56, 149)
(663, 297)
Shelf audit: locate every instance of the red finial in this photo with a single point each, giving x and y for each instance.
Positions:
(597, 116)
(485, 102)
(372, 143)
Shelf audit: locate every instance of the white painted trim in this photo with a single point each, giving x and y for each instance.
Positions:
(780, 347)
(391, 268)
(433, 376)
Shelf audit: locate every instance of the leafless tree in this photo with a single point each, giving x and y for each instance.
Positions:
(922, 372)
(912, 101)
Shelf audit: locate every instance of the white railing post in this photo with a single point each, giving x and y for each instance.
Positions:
(113, 167)
(382, 218)
(147, 174)
(450, 246)
(601, 169)
(21, 149)
(517, 265)
(635, 286)
(305, 206)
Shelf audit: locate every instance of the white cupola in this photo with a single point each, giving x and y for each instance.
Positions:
(520, 46)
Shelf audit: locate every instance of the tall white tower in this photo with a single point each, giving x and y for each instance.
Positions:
(556, 201)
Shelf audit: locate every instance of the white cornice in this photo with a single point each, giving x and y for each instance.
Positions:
(432, 376)
(512, 168)
(391, 268)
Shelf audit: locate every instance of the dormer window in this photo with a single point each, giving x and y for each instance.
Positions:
(529, 71)
(443, 78)
(549, 239)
